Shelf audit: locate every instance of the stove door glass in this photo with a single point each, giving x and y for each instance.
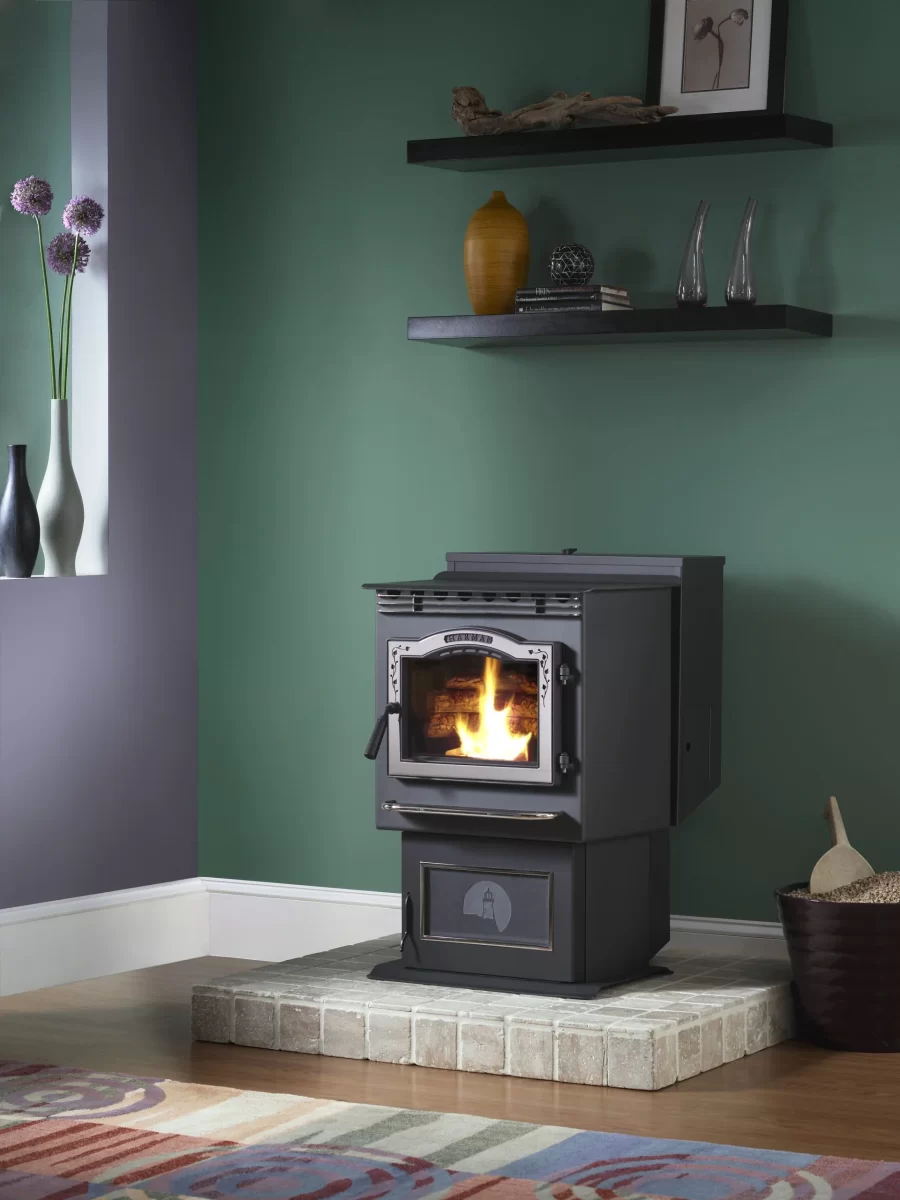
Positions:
(496, 907)
(471, 706)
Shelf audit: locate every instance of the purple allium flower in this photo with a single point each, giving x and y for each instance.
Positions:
(32, 196)
(83, 215)
(61, 252)
(702, 28)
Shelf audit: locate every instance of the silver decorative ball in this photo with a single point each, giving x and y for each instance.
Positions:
(571, 265)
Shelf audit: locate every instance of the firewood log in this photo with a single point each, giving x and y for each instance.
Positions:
(470, 702)
(443, 725)
(510, 681)
(453, 701)
(464, 681)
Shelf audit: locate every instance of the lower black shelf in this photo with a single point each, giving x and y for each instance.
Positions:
(653, 325)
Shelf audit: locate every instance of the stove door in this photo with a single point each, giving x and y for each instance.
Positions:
(474, 704)
(494, 907)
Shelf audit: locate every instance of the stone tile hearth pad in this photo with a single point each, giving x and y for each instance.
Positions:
(711, 1010)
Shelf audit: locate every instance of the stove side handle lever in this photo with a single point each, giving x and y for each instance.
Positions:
(371, 750)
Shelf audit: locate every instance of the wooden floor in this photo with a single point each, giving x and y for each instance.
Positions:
(789, 1098)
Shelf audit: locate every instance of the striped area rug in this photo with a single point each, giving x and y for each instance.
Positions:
(74, 1133)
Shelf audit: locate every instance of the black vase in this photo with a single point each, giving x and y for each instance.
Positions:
(20, 528)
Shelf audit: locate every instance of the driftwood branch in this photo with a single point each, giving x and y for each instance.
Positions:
(471, 112)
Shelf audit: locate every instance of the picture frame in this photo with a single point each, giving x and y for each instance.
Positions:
(717, 56)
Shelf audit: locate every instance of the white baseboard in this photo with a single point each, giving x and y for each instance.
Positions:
(68, 940)
(712, 935)
(275, 921)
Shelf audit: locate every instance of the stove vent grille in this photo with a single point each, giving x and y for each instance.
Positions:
(481, 604)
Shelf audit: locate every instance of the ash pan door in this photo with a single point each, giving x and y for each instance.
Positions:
(473, 704)
(491, 906)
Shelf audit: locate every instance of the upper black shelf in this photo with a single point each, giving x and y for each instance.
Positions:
(742, 322)
(675, 137)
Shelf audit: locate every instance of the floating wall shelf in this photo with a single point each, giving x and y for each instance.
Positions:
(675, 137)
(641, 325)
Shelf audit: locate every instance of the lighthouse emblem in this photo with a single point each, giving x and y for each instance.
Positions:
(490, 902)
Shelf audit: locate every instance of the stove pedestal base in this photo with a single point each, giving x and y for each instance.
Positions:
(396, 972)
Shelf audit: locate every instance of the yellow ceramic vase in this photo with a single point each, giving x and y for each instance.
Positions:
(495, 256)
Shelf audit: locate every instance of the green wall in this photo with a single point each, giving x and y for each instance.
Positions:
(35, 139)
(333, 452)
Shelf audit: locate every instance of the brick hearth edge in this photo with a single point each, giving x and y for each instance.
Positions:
(647, 1035)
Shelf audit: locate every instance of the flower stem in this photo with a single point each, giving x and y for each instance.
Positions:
(718, 36)
(52, 348)
(62, 329)
(65, 369)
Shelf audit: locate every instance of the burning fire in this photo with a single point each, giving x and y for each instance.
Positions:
(491, 736)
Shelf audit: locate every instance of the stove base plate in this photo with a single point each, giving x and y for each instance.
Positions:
(395, 972)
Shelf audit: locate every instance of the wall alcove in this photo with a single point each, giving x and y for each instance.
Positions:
(98, 687)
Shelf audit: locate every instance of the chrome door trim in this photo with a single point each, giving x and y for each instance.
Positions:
(477, 641)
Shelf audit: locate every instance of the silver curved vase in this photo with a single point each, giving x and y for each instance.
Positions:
(741, 286)
(691, 291)
(59, 502)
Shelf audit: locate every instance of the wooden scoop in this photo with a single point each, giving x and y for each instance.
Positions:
(841, 864)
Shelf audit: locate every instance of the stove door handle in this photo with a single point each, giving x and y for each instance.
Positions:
(371, 750)
(407, 919)
(488, 814)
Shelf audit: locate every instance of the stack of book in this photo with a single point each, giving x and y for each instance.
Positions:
(589, 297)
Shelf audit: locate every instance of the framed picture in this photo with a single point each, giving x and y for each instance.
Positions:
(717, 56)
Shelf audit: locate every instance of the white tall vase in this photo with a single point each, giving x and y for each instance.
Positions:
(59, 502)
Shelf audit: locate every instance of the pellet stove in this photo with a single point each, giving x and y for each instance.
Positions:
(544, 719)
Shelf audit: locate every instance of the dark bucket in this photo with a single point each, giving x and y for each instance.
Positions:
(846, 964)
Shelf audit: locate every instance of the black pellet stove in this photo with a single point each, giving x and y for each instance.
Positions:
(544, 719)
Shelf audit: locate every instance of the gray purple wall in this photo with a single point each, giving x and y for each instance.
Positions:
(98, 675)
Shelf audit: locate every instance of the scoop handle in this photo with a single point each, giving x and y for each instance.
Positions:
(835, 820)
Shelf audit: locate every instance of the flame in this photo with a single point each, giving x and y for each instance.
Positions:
(491, 736)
